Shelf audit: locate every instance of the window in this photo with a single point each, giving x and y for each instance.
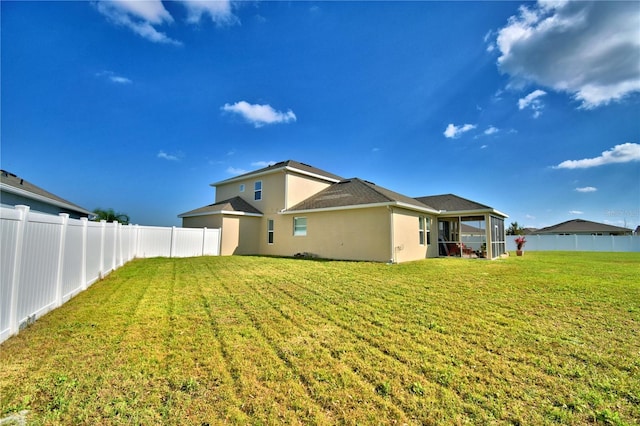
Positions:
(421, 230)
(300, 226)
(257, 190)
(270, 231)
(242, 187)
(428, 221)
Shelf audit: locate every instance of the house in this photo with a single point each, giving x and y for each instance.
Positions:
(582, 227)
(17, 191)
(291, 207)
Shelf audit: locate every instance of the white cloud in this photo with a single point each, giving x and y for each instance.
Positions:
(139, 16)
(111, 76)
(587, 189)
(259, 115)
(532, 100)
(624, 153)
(491, 130)
(453, 131)
(142, 17)
(589, 49)
(166, 156)
(263, 163)
(576, 212)
(235, 171)
(219, 11)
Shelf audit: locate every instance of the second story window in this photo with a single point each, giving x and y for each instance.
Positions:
(257, 190)
(242, 187)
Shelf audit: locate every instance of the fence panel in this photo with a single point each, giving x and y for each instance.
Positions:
(93, 252)
(154, 242)
(211, 245)
(72, 263)
(42, 239)
(612, 243)
(46, 260)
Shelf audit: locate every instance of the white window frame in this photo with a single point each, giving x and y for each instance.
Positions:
(257, 190)
(242, 187)
(298, 230)
(421, 231)
(270, 231)
(428, 229)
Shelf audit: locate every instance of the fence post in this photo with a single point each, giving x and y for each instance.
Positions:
(103, 224)
(83, 253)
(61, 250)
(114, 261)
(204, 239)
(17, 265)
(173, 241)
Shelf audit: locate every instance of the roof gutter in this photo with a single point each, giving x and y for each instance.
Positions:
(267, 172)
(471, 212)
(363, 206)
(227, 212)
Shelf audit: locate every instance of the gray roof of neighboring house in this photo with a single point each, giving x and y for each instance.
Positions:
(233, 205)
(450, 202)
(290, 164)
(355, 192)
(26, 189)
(581, 225)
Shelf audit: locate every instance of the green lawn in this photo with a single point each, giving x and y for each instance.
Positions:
(540, 339)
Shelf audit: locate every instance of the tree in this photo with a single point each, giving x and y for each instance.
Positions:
(110, 216)
(515, 229)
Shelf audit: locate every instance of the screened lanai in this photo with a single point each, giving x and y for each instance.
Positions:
(466, 228)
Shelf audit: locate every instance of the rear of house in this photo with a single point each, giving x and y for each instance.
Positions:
(292, 208)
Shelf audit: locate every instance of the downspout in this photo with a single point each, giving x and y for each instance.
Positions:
(393, 252)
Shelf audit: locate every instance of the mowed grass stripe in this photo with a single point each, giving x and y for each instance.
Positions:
(331, 383)
(410, 373)
(264, 382)
(338, 358)
(547, 338)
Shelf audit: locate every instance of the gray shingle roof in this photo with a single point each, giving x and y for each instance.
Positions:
(281, 165)
(235, 204)
(450, 202)
(20, 184)
(354, 192)
(581, 225)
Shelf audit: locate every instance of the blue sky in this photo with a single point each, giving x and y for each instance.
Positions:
(531, 108)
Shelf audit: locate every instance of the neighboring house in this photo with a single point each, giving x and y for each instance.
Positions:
(17, 191)
(293, 208)
(582, 227)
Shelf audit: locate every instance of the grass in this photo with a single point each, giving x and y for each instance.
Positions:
(543, 339)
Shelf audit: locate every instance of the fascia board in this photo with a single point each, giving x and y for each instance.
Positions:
(31, 195)
(227, 212)
(314, 175)
(471, 212)
(268, 172)
(362, 206)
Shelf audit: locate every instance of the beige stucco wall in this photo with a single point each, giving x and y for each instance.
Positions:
(300, 188)
(239, 233)
(406, 236)
(273, 189)
(359, 234)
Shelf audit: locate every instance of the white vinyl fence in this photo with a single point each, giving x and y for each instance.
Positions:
(615, 243)
(45, 260)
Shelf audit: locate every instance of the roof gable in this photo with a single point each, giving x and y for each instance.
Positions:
(290, 165)
(451, 202)
(17, 185)
(355, 192)
(581, 225)
(235, 205)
